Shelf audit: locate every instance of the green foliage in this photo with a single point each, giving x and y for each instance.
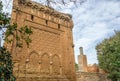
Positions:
(4, 19)
(6, 65)
(25, 33)
(109, 56)
(76, 66)
(14, 33)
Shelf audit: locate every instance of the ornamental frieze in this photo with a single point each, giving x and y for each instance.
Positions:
(45, 9)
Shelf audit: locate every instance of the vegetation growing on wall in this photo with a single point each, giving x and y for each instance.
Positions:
(13, 35)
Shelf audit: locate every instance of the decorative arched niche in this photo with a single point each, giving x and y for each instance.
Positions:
(45, 64)
(56, 65)
(33, 62)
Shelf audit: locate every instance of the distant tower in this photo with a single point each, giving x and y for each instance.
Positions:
(82, 61)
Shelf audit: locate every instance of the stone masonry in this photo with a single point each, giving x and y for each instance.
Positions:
(50, 55)
(91, 76)
(89, 73)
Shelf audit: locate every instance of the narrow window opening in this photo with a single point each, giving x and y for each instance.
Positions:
(58, 26)
(46, 22)
(32, 17)
(73, 45)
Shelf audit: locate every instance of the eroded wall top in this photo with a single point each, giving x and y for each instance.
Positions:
(62, 18)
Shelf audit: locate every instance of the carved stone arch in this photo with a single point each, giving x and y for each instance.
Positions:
(33, 52)
(33, 63)
(45, 64)
(56, 65)
(16, 68)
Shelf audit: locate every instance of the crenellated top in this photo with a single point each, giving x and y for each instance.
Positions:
(45, 9)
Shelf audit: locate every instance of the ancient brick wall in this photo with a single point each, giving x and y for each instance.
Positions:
(50, 55)
(87, 76)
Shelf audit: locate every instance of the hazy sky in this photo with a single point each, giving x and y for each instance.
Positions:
(94, 20)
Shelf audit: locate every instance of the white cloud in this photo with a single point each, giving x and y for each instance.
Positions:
(7, 5)
(94, 21)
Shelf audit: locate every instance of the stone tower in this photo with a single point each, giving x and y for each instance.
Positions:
(82, 61)
(50, 55)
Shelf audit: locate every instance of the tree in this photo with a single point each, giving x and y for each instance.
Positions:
(58, 3)
(76, 66)
(109, 56)
(6, 65)
(13, 35)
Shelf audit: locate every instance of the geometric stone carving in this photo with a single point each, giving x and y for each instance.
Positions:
(48, 41)
(56, 65)
(33, 64)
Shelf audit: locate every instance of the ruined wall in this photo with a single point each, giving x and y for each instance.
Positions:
(85, 76)
(50, 55)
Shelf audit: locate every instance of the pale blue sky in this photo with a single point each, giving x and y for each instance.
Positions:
(94, 21)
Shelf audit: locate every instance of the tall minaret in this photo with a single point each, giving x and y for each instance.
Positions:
(82, 61)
